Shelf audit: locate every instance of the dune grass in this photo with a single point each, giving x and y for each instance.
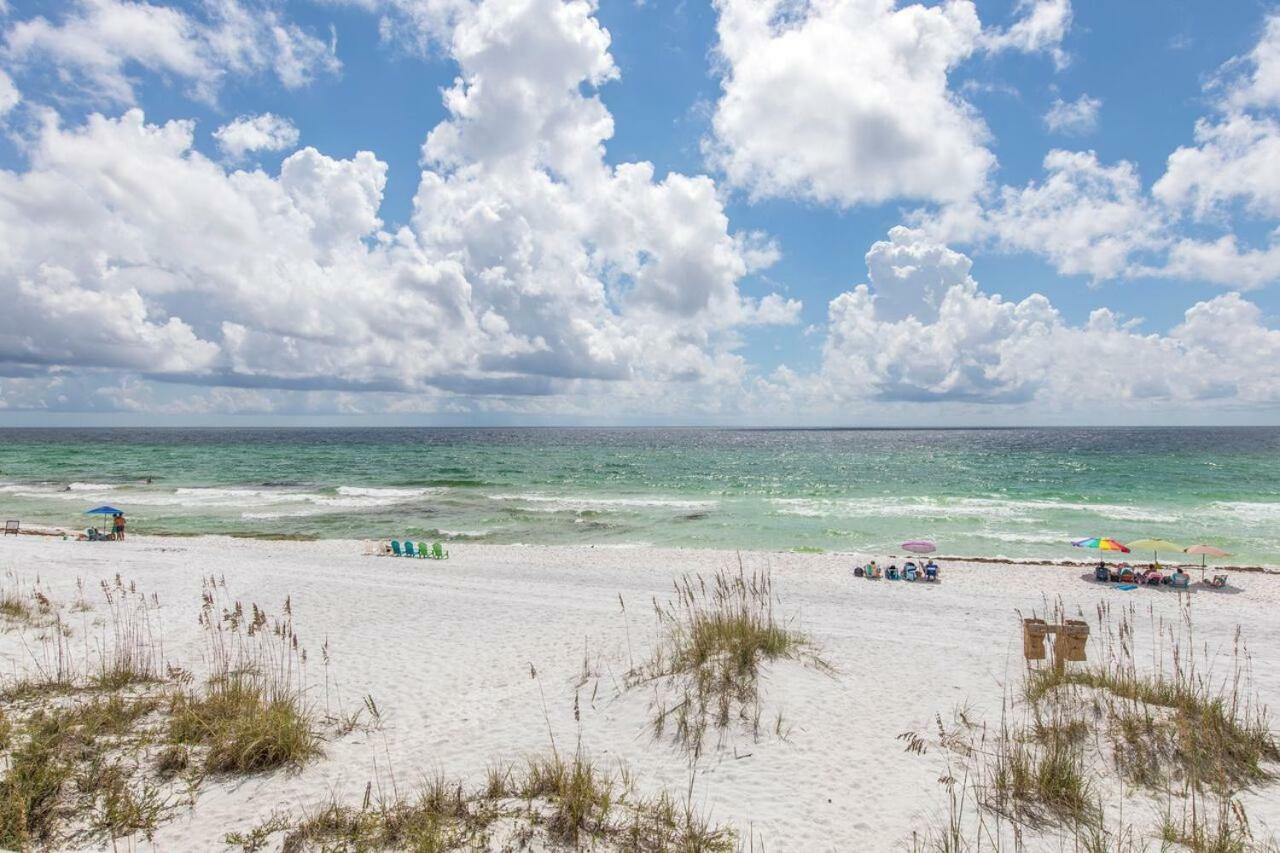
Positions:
(100, 735)
(714, 637)
(1184, 727)
(547, 801)
(1175, 722)
(21, 604)
(60, 767)
(242, 729)
(250, 715)
(129, 651)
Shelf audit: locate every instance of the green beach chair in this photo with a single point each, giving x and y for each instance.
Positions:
(438, 552)
(423, 550)
(395, 549)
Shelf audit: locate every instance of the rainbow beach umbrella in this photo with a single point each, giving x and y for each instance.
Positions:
(1101, 543)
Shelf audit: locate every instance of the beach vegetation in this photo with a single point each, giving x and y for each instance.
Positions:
(1177, 722)
(1184, 726)
(25, 605)
(548, 801)
(251, 713)
(129, 651)
(715, 635)
(68, 762)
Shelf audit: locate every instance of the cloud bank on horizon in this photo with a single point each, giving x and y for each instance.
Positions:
(185, 231)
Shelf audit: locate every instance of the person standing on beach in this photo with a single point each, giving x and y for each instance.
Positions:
(119, 526)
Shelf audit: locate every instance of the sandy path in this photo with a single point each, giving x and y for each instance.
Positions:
(445, 648)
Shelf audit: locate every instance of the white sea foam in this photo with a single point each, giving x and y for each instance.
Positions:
(1028, 538)
(215, 492)
(554, 503)
(91, 487)
(368, 492)
(941, 508)
(916, 507)
(269, 516)
(1252, 512)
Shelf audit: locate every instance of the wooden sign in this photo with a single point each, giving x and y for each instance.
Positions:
(1069, 639)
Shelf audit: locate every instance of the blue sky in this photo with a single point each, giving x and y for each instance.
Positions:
(689, 295)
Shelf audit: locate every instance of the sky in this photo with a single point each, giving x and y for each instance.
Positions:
(739, 212)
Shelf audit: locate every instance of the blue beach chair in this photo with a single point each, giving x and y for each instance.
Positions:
(891, 573)
(909, 572)
(931, 572)
(408, 549)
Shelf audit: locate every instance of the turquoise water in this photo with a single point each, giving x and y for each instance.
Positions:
(1015, 492)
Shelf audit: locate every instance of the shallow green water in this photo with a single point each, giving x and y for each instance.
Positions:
(977, 492)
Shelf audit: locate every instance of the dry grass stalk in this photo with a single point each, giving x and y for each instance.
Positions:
(1171, 726)
(714, 636)
(548, 801)
(251, 714)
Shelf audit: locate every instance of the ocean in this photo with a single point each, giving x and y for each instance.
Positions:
(979, 492)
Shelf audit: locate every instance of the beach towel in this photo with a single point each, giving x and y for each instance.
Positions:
(1127, 586)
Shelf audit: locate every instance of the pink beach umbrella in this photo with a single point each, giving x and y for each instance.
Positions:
(1206, 551)
(920, 546)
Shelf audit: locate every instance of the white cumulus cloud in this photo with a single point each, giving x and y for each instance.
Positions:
(9, 94)
(265, 132)
(1041, 28)
(1073, 117)
(961, 344)
(530, 264)
(99, 44)
(847, 101)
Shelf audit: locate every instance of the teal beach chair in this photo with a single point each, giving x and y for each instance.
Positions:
(395, 549)
(408, 549)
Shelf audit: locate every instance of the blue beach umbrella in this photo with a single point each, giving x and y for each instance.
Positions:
(104, 510)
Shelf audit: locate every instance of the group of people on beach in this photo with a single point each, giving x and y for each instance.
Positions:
(1152, 575)
(910, 571)
(93, 534)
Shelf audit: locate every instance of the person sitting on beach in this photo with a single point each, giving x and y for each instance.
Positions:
(931, 571)
(1152, 576)
(873, 570)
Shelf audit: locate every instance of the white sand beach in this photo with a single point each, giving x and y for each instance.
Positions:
(446, 649)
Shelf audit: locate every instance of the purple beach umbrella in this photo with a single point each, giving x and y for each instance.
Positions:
(920, 546)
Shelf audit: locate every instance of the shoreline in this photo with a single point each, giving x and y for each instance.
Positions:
(57, 532)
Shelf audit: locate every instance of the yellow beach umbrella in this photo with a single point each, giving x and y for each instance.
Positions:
(1155, 546)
